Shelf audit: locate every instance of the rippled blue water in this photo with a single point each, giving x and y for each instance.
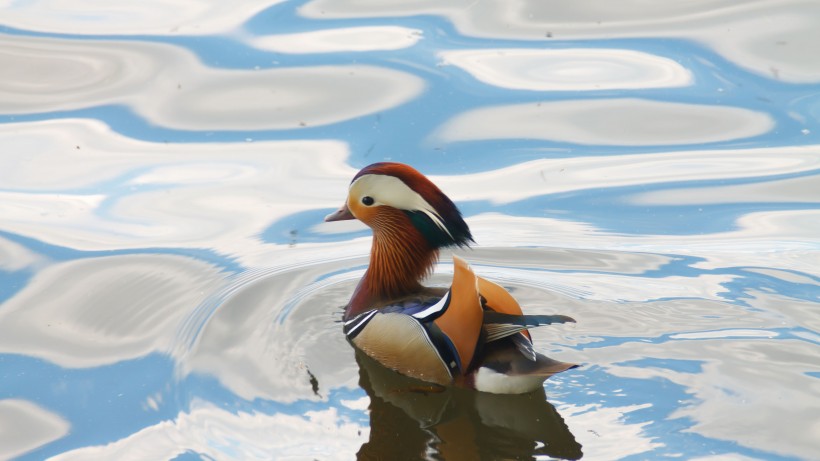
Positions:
(168, 289)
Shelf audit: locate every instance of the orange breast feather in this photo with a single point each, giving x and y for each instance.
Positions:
(463, 320)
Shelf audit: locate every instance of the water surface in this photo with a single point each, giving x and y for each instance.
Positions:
(168, 289)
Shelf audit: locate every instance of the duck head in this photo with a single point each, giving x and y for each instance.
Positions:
(411, 219)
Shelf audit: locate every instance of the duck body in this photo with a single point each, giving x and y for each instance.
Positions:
(472, 335)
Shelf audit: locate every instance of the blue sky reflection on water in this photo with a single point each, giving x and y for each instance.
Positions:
(168, 290)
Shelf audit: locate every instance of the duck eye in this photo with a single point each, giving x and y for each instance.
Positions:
(367, 200)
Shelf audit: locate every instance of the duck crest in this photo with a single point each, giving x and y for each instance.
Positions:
(446, 226)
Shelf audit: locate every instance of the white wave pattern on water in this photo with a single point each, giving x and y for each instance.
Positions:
(374, 38)
(133, 310)
(219, 205)
(219, 434)
(15, 257)
(733, 390)
(774, 38)
(169, 86)
(554, 176)
(569, 69)
(601, 430)
(70, 155)
(27, 425)
(146, 17)
(618, 122)
(792, 190)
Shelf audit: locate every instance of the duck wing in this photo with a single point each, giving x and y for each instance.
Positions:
(441, 339)
(500, 325)
(431, 341)
(504, 318)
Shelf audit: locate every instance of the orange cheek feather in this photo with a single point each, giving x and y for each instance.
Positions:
(363, 213)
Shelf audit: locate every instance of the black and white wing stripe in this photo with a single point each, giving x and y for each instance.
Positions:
(424, 317)
(498, 325)
(434, 311)
(353, 326)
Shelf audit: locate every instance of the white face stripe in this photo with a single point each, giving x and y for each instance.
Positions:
(392, 191)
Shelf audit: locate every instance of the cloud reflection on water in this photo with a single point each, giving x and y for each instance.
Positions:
(366, 38)
(805, 189)
(169, 86)
(26, 426)
(46, 74)
(741, 385)
(133, 309)
(560, 175)
(734, 376)
(617, 122)
(601, 430)
(227, 193)
(221, 434)
(794, 230)
(146, 17)
(162, 195)
(774, 38)
(15, 257)
(569, 69)
(278, 98)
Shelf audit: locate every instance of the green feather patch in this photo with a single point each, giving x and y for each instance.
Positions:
(432, 233)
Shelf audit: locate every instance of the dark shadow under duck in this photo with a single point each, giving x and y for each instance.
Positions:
(411, 420)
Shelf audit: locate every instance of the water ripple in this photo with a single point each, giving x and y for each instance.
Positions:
(258, 335)
(168, 288)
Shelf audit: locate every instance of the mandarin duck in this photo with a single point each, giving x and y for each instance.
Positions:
(473, 334)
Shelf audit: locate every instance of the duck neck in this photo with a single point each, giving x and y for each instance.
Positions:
(400, 257)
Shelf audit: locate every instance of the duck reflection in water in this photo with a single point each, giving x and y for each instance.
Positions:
(415, 420)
